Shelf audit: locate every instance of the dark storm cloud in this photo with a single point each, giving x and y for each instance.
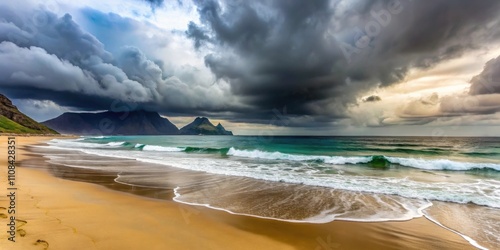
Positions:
(488, 81)
(311, 58)
(197, 34)
(317, 57)
(54, 55)
(372, 98)
(34, 73)
(53, 58)
(58, 36)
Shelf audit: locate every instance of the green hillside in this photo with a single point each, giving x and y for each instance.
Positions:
(9, 126)
(15, 122)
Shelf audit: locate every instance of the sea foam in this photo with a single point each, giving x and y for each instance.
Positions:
(161, 148)
(257, 154)
(427, 164)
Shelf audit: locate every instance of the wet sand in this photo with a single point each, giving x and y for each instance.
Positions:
(86, 209)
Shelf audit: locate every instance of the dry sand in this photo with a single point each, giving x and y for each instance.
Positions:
(55, 213)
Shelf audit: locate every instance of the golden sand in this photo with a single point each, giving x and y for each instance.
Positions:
(54, 213)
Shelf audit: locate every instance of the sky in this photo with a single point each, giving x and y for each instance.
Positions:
(263, 67)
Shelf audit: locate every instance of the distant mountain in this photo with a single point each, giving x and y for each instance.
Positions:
(201, 125)
(113, 123)
(13, 121)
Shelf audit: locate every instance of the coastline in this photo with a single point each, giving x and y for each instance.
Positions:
(81, 215)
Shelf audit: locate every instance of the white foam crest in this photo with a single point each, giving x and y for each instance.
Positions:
(162, 149)
(77, 143)
(138, 145)
(291, 157)
(115, 144)
(441, 164)
(438, 164)
(99, 137)
(341, 160)
(74, 144)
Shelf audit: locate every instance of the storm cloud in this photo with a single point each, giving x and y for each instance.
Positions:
(317, 57)
(243, 60)
(53, 58)
(488, 82)
(372, 98)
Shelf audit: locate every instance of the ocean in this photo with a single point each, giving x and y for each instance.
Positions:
(454, 182)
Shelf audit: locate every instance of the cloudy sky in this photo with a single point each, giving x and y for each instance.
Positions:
(267, 67)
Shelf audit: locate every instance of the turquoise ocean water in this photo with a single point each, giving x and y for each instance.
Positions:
(352, 178)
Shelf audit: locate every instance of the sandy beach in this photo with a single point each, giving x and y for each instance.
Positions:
(58, 213)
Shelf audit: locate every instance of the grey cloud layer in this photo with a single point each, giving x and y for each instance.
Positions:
(53, 58)
(55, 55)
(293, 53)
(316, 58)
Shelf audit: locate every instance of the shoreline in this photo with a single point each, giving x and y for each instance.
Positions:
(196, 226)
